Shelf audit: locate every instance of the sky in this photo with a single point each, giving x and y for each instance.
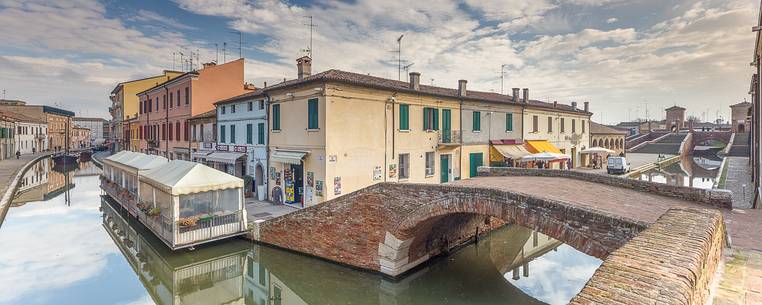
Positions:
(629, 59)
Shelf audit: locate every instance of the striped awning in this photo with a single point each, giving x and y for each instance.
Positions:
(515, 151)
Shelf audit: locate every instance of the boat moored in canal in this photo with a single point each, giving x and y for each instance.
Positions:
(183, 203)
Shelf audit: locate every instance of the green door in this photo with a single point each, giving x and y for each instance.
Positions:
(444, 167)
(475, 160)
(446, 126)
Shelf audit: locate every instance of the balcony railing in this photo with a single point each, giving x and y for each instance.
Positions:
(175, 233)
(452, 137)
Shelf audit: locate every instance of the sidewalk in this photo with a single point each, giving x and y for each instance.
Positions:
(738, 181)
(262, 210)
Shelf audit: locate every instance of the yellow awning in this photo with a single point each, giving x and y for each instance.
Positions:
(514, 151)
(539, 146)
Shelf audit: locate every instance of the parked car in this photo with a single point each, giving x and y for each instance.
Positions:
(617, 165)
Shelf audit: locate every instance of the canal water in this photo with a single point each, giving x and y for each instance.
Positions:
(62, 243)
(694, 172)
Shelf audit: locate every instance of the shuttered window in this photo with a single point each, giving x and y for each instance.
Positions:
(261, 133)
(222, 133)
(312, 114)
(509, 122)
(276, 117)
(430, 118)
(404, 117)
(477, 121)
(232, 134)
(249, 134)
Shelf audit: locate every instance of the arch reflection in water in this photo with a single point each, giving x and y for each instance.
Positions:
(696, 172)
(238, 272)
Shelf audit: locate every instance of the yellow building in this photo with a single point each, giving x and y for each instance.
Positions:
(336, 132)
(551, 126)
(125, 104)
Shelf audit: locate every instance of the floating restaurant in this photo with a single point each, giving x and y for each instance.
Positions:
(183, 203)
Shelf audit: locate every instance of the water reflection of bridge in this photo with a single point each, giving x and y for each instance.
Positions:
(687, 172)
(235, 272)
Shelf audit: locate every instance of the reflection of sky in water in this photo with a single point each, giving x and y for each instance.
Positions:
(58, 254)
(557, 276)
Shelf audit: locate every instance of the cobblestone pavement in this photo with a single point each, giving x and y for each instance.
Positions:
(741, 281)
(743, 225)
(738, 181)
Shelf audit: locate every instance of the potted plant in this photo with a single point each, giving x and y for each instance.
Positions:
(153, 212)
(187, 222)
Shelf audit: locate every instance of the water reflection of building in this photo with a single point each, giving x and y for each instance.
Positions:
(60, 179)
(34, 184)
(208, 275)
(687, 172)
(87, 169)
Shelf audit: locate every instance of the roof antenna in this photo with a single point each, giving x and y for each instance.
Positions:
(240, 42)
(311, 25)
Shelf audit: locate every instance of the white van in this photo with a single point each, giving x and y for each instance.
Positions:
(617, 165)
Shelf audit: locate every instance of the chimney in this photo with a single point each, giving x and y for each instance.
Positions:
(574, 105)
(265, 85)
(415, 80)
(555, 104)
(516, 92)
(462, 87)
(526, 95)
(304, 66)
(208, 64)
(587, 106)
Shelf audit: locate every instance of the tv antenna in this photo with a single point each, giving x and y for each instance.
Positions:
(311, 25)
(216, 52)
(173, 61)
(224, 53)
(407, 69)
(399, 57)
(182, 63)
(502, 77)
(240, 42)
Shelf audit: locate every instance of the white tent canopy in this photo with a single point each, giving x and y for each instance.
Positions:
(134, 162)
(181, 177)
(597, 150)
(544, 156)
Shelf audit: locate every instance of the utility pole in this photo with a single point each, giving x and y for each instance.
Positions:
(182, 63)
(216, 53)
(224, 53)
(399, 57)
(311, 25)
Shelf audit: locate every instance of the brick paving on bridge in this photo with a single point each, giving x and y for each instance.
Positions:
(742, 225)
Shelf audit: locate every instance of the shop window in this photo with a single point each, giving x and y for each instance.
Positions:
(429, 163)
(404, 160)
(404, 117)
(312, 114)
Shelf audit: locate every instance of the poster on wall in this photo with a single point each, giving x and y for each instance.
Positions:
(310, 179)
(289, 192)
(272, 173)
(277, 178)
(319, 188)
(337, 186)
(308, 194)
(377, 173)
(392, 170)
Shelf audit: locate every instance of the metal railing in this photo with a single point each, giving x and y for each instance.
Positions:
(449, 137)
(210, 227)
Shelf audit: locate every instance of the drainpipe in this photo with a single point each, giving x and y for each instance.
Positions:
(166, 121)
(266, 171)
(460, 147)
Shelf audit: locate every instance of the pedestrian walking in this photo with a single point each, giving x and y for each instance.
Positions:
(18, 154)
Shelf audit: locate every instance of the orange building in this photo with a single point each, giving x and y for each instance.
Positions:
(164, 109)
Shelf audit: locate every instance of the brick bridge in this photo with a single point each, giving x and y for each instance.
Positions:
(700, 136)
(391, 228)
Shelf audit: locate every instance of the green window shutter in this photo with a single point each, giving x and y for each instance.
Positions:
(436, 118)
(477, 121)
(222, 133)
(276, 117)
(426, 118)
(509, 122)
(312, 116)
(232, 134)
(249, 134)
(261, 133)
(404, 117)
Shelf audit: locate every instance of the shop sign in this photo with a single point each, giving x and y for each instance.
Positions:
(377, 173)
(222, 147)
(208, 145)
(240, 148)
(392, 170)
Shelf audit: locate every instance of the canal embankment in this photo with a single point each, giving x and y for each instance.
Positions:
(11, 172)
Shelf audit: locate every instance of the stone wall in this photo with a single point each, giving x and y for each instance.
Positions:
(671, 262)
(714, 198)
(391, 228)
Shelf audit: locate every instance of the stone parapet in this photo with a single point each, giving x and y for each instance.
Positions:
(714, 198)
(671, 262)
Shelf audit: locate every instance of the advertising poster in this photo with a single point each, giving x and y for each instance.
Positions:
(337, 186)
(392, 170)
(319, 188)
(377, 173)
(310, 179)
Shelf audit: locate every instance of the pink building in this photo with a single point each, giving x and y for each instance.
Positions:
(165, 108)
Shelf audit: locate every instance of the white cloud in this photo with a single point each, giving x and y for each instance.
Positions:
(611, 20)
